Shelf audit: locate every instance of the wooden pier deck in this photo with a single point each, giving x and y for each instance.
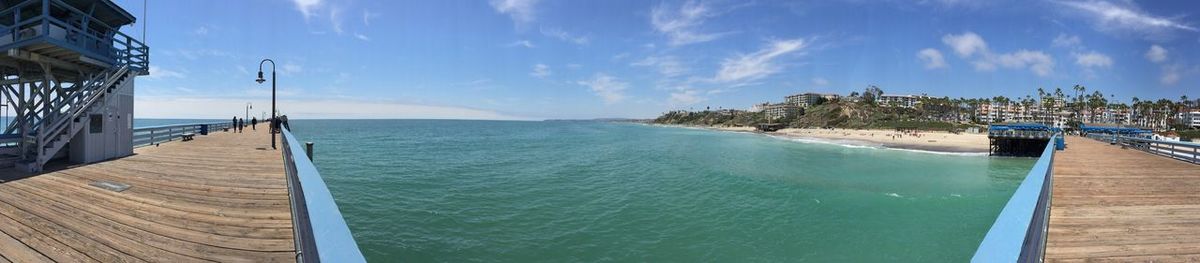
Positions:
(221, 197)
(1113, 204)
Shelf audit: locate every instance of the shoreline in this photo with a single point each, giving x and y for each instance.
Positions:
(920, 141)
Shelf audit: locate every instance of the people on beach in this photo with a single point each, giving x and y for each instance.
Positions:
(253, 123)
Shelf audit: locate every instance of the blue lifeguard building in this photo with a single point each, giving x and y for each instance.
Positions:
(68, 76)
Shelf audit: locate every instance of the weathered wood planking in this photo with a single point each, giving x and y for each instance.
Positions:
(221, 197)
(1113, 204)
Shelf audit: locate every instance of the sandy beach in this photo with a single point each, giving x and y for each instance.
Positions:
(915, 140)
(933, 141)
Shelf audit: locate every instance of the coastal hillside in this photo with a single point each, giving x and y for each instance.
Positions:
(829, 115)
(866, 116)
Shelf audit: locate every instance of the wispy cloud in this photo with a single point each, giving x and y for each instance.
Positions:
(610, 89)
(668, 66)
(521, 11)
(681, 25)
(521, 43)
(565, 36)
(540, 71)
(362, 37)
(1092, 59)
(744, 68)
(820, 82)
(932, 58)
(1126, 18)
(1156, 54)
(335, 20)
(307, 7)
(1170, 74)
(367, 16)
(289, 68)
(201, 31)
(685, 97)
(1067, 41)
(971, 46)
(157, 72)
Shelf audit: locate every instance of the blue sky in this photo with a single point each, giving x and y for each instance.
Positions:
(529, 59)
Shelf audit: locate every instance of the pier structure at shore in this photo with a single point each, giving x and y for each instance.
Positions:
(1020, 139)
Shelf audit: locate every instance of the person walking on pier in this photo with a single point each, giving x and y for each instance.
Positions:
(241, 125)
(233, 126)
(254, 123)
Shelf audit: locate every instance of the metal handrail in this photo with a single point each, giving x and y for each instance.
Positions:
(1019, 233)
(1183, 151)
(153, 135)
(320, 231)
(131, 52)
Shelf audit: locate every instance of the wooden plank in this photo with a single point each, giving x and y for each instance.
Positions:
(221, 197)
(14, 249)
(1118, 205)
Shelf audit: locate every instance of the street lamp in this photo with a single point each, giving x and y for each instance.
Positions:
(249, 106)
(260, 80)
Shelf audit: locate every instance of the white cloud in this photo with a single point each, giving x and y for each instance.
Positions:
(1063, 40)
(818, 81)
(565, 36)
(1170, 75)
(754, 66)
(610, 89)
(966, 44)
(160, 73)
(289, 68)
(1093, 59)
(201, 31)
(1037, 61)
(1126, 17)
(971, 46)
(932, 58)
(521, 43)
(1156, 54)
(540, 71)
(362, 37)
(668, 66)
(681, 25)
(368, 16)
(685, 97)
(521, 11)
(307, 7)
(335, 20)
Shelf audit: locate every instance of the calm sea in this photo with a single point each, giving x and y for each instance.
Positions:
(438, 190)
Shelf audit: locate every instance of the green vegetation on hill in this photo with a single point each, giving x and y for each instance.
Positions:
(867, 116)
(712, 118)
(829, 115)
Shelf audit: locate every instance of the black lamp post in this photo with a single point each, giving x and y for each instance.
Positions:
(260, 80)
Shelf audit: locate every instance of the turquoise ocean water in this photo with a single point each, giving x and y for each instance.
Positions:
(433, 190)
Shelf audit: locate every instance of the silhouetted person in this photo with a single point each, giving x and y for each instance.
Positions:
(241, 124)
(254, 123)
(233, 125)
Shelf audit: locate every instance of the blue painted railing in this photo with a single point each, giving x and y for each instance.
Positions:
(1019, 233)
(320, 231)
(152, 135)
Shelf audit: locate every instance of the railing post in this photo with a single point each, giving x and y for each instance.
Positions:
(308, 150)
